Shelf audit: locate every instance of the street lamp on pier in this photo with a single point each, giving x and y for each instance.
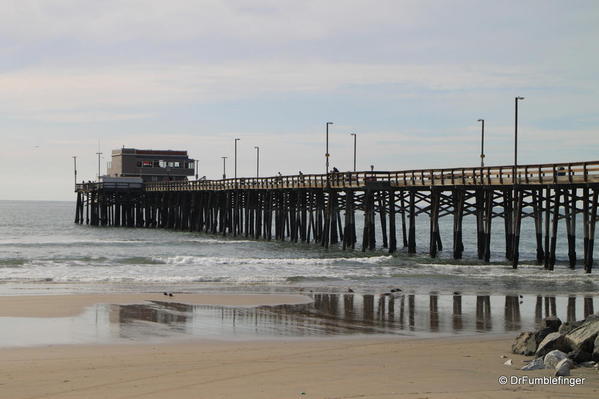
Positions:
(236, 140)
(224, 167)
(75, 168)
(354, 134)
(326, 155)
(516, 135)
(482, 143)
(257, 160)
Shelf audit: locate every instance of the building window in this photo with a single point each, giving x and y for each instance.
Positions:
(162, 163)
(156, 164)
(190, 165)
(147, 164)
(177, 164)
(139, 164)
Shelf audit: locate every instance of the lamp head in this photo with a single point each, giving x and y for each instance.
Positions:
(329, 123)
(481, 120)
(519, 98)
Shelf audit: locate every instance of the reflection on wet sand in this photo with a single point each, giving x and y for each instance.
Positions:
(329, 314)
(345, 314)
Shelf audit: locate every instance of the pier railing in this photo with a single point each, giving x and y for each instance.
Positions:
(119, 186)
(552, 174)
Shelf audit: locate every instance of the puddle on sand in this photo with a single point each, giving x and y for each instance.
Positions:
(329, 315)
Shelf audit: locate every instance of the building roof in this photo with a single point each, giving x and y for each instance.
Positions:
(135, 151)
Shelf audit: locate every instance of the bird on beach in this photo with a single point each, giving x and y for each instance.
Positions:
(165, 293)
(170, 294)
(350, 290)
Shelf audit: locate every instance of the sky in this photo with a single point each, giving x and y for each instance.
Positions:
(410, 78)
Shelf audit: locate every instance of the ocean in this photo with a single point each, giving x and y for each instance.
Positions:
(42, 250)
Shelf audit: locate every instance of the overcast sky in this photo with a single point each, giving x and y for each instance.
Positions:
(411, 78)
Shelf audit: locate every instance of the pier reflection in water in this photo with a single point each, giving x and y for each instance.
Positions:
(328, 315)
(350, 314)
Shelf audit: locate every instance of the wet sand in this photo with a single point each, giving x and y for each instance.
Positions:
(71, 305)
(458, 367)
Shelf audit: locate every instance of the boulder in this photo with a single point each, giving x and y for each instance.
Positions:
(525, 344)
(536, 364)
(551, 322)
(552, 341)
(568, 326)
(583, 337)
(553, 358)
(563, 367)
(595, 354)
(579, 356)
(542, 333)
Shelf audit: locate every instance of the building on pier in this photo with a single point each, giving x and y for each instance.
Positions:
(151, 165)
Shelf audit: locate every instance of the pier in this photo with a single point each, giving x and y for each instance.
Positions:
(321, 208)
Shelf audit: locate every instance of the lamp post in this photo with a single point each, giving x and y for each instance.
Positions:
(75, 168)
(257, 160)
(516, 135)
(98, 153)
(224, 167)
(195, 164)
(354, 134)
(326, 155)
(482, 143)
(236, 140)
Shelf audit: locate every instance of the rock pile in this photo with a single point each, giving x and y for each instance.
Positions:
(560, 346)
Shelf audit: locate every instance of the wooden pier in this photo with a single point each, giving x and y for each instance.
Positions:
(322, 208)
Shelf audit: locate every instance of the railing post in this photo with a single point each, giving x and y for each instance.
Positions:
(570, 173)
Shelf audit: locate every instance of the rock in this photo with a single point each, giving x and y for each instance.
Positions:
(508, 362)
(525, 344)
(588, 364)
(551, 322)
(595, 354)
(542, 333)
(568, 326)
(536, 364)
(563, 367)
(503, 357)
(553, 358)
(583, 337)
(552, 341)
(579, 356)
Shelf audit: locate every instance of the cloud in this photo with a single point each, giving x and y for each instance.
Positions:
(85, 94)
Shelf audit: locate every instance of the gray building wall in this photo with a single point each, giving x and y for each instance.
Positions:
(151, 165)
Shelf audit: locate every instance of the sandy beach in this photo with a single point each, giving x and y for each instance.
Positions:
(459, 367)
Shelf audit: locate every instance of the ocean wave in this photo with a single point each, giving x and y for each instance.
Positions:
(12, 262)
(216, 241)
(140, 260)
(211, 260)
(58, 243)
